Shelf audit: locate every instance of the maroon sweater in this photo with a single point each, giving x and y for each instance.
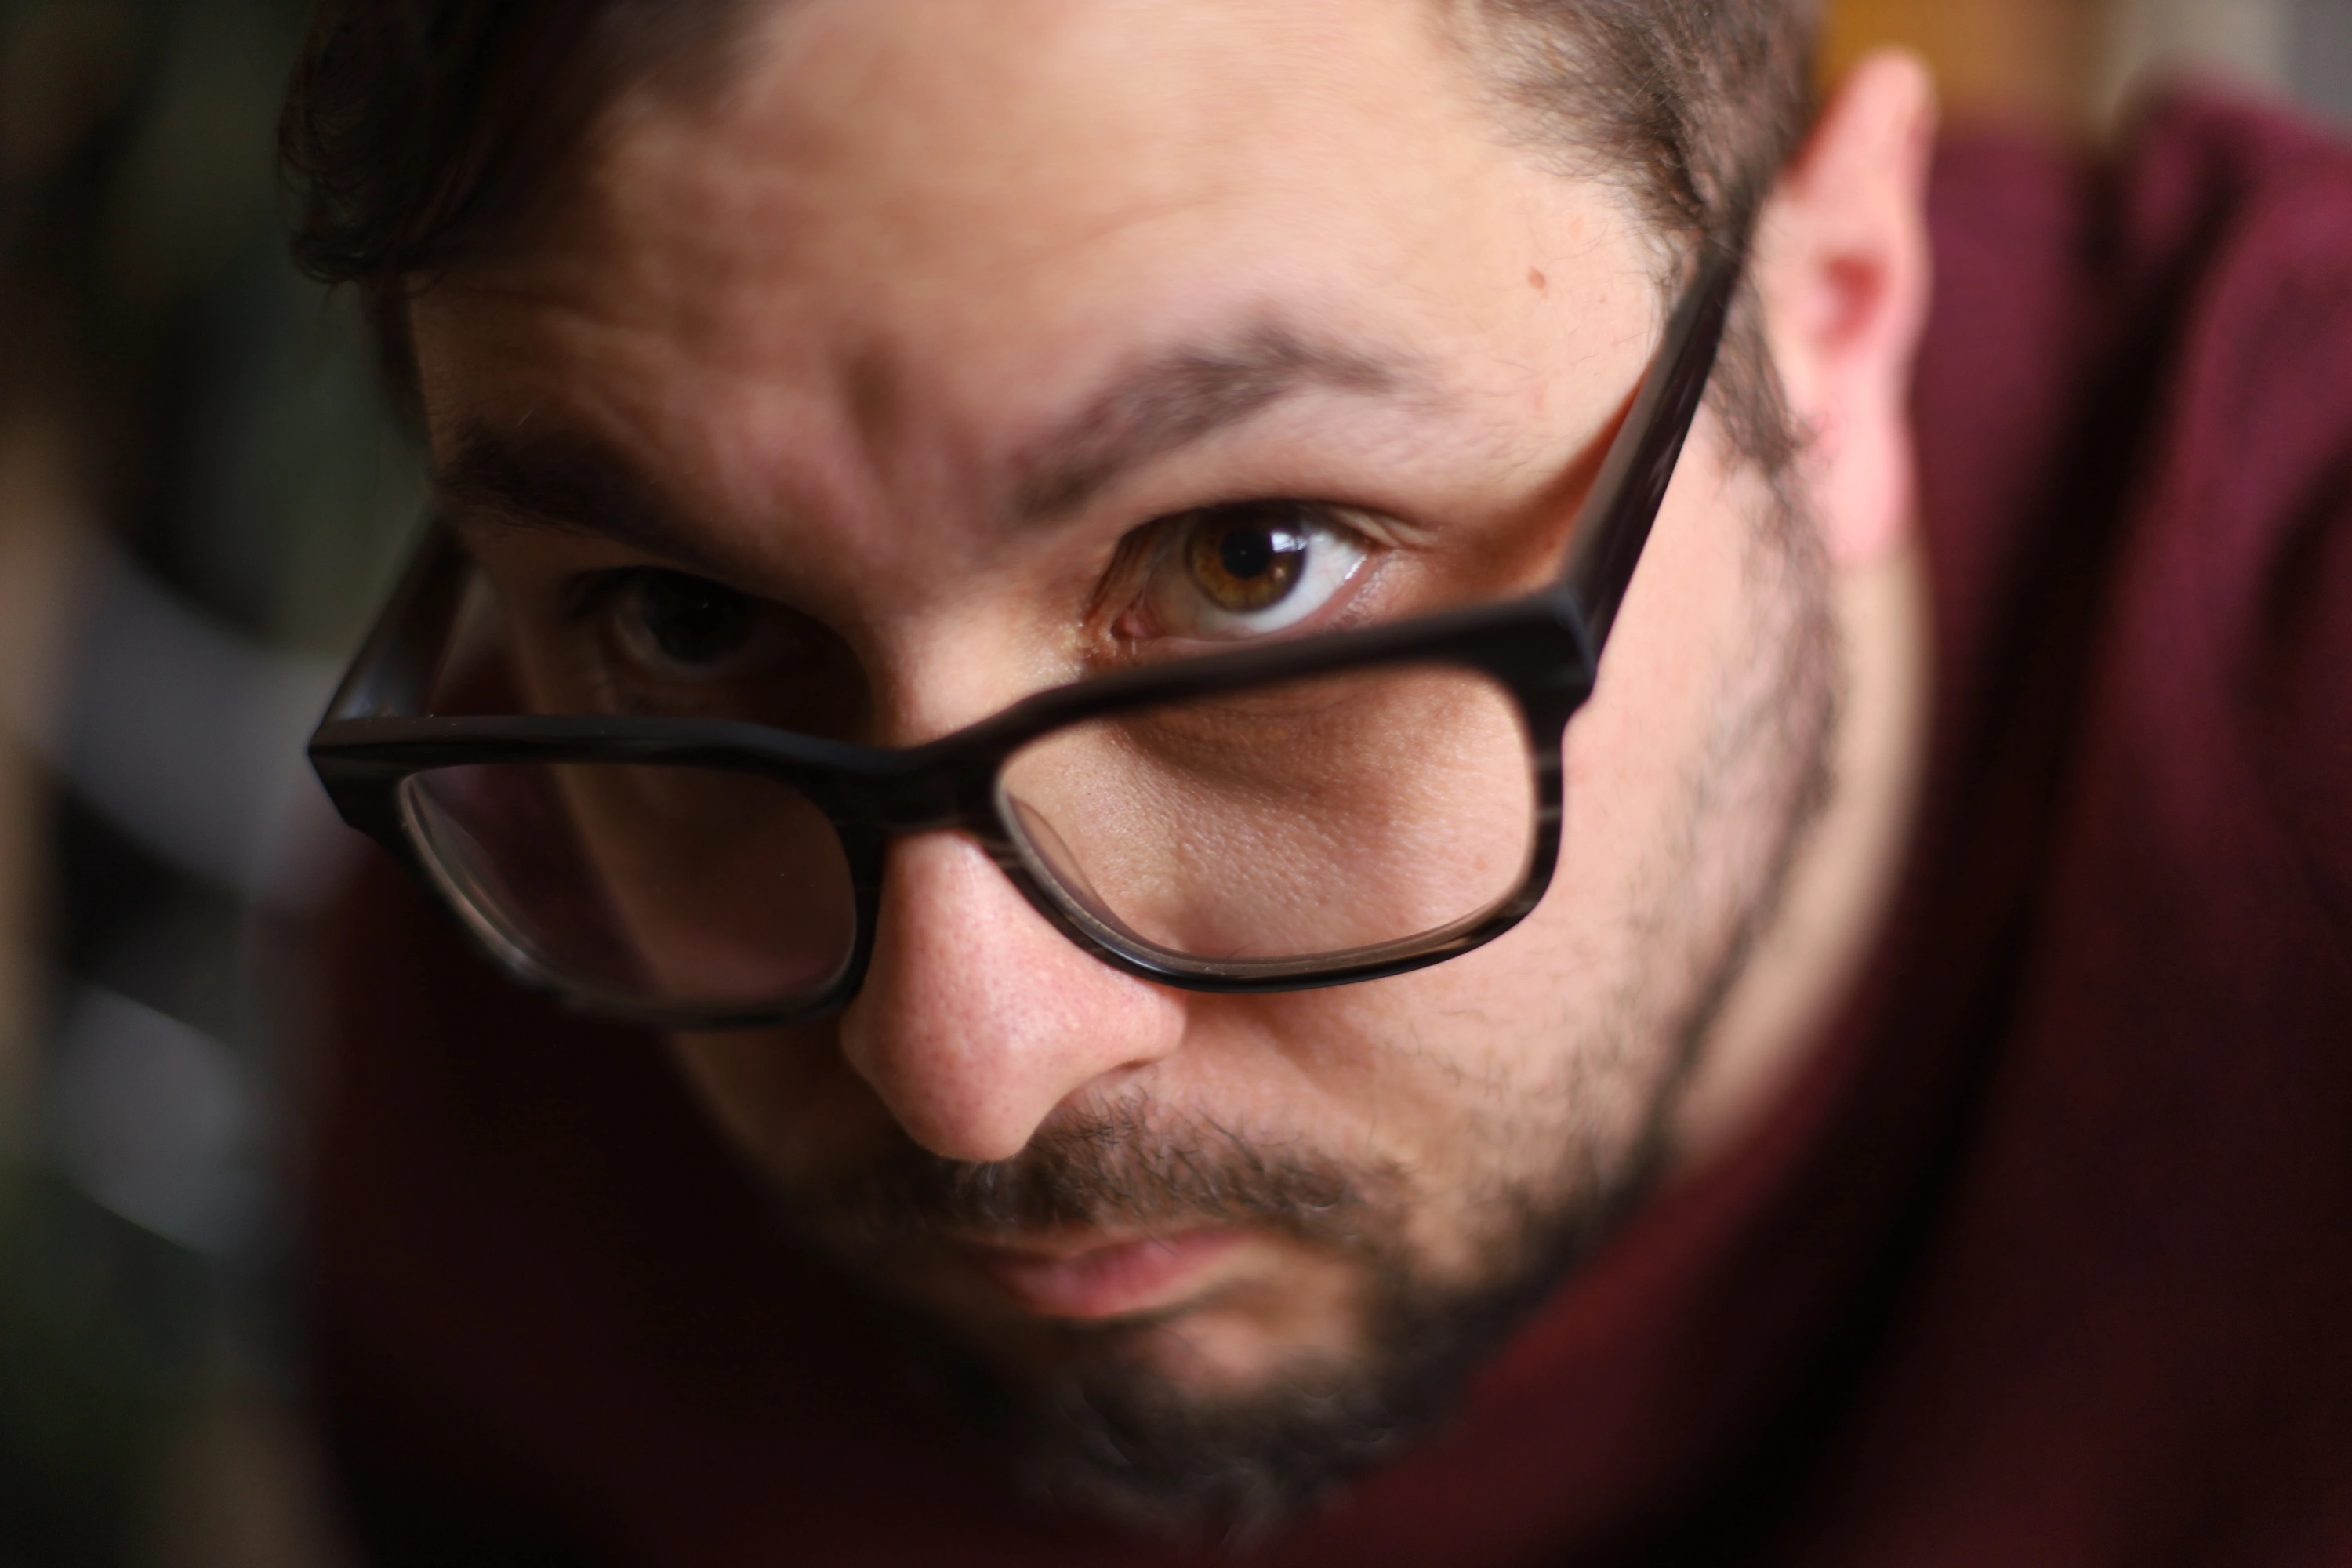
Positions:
(2048, 1259)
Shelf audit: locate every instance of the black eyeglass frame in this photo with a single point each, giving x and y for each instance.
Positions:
(1544, 648)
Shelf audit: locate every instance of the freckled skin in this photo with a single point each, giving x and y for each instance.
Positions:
(825, 306)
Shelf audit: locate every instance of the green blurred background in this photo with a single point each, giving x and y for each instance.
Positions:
(200, 497)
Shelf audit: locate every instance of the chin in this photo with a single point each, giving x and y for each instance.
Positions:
(1188, 1327)
(1221, 1416)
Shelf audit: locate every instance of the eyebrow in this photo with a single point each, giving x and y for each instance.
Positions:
(574, 485)
(563, 483)
(1184, 396)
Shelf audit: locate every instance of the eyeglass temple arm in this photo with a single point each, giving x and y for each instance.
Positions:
(1615, 522)
(394, 673)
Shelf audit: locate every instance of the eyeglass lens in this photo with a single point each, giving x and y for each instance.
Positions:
(1250, 832)
(1256, 830)
(694, 888)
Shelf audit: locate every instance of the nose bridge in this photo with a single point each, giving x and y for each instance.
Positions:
(920, 800)
(958, 649)
(935, 675)
(931, 796)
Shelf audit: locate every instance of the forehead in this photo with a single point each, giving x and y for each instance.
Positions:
(907, 244)
(911, 117)
(1048, 162)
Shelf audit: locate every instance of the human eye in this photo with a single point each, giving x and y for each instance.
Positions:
(665, 642)
(1248, 568)
(670, 627)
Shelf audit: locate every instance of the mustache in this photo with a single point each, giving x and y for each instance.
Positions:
(1122, 1168)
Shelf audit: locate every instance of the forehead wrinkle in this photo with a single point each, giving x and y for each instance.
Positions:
(1185, 396)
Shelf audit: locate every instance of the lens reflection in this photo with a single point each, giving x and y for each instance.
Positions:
(657, 886)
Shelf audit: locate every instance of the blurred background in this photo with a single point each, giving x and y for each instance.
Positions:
(200, 498)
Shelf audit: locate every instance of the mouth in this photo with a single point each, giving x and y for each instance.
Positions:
(1091, 1283)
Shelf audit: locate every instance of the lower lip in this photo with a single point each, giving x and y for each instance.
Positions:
(1114, 1281)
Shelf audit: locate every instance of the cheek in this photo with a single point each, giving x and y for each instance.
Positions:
(1452, 1080)
(786, 1099)
(1633, 751)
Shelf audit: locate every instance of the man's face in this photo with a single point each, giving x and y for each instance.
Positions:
(851, 333)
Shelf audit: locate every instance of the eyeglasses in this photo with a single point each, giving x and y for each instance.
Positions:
(1326, 809)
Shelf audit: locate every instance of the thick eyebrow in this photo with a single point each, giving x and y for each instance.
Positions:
(1187, 396)
(571, 484)
(564, 483)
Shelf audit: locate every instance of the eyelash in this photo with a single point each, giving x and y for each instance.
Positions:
(1119, 611)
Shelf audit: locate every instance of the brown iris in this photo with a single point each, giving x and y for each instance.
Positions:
(1247, 556)
(695, 624)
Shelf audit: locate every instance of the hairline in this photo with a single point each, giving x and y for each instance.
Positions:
(1524, 58)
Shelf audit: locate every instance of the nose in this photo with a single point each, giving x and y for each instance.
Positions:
(977, 1017)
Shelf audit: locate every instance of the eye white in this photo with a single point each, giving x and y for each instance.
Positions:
(1179, 606)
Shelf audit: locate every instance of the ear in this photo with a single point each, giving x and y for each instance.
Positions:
(1842, 269)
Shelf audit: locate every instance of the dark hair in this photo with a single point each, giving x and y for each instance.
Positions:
(1692, 107)
(419, 134)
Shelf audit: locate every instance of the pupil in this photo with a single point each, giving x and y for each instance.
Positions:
(694, 621)
(1249, 556)
(1246, 553)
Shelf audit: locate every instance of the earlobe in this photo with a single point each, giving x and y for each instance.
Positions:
(1842, 268)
